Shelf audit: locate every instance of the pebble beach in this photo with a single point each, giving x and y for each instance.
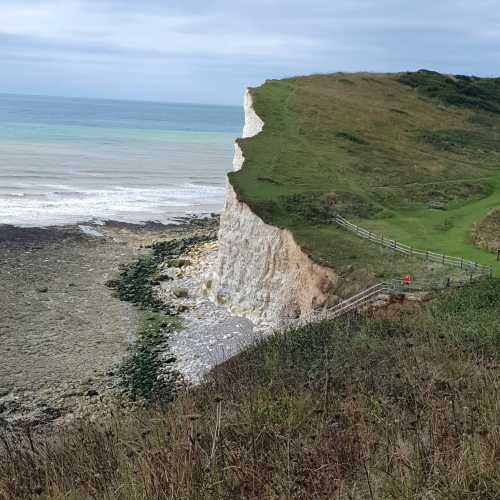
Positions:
(63, 332)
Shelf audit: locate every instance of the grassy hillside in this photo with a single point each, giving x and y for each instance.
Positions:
(359, 408)
(381, 150)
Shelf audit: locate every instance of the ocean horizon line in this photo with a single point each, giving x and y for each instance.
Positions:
(121, 100)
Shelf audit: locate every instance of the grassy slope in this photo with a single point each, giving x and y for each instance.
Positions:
(428, 229)
(354, 409)
(386, 146)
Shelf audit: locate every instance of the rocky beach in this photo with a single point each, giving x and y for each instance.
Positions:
(64, 333)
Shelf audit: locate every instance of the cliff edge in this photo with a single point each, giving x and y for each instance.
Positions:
(261, 272)
(411, 156)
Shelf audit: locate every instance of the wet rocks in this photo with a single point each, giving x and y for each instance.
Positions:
(145, 373)
(136, 283)
(180, 292)
(61, 327)
(164, 276)
(166, 273)
(178, 263)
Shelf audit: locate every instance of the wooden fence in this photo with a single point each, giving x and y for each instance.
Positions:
(364, 297)
(475, 269)
(376, 292)
(397, 286)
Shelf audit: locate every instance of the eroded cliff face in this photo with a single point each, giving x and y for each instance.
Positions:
(261, 272)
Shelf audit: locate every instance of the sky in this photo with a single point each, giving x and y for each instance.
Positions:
(208, 51)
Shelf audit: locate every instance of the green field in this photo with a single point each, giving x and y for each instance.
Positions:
(448, 231)
(382, 150)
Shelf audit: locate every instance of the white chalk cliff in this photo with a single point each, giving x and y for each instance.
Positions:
(260, 271)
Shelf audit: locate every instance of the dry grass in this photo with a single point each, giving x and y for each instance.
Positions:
(358, 408)
(486, 233)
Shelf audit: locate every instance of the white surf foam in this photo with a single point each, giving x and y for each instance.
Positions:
(117, 203)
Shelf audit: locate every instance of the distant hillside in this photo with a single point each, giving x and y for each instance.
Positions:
(413, 155)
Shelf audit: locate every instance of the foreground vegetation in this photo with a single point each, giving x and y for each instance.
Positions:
(407, 408)
(415, 156)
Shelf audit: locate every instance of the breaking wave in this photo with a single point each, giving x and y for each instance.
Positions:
(118, 203)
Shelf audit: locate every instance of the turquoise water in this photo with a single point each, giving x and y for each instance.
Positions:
(68, 160)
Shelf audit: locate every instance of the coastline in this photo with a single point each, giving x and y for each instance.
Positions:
(62, 332)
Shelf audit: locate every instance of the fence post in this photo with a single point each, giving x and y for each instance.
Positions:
(464, 264)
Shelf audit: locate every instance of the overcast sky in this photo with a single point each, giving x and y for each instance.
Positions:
(208, 51)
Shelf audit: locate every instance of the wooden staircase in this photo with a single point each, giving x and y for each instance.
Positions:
(376, 295)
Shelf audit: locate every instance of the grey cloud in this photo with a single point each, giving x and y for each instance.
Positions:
(210, 50)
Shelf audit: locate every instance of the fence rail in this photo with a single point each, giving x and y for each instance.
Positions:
(355, 302)
(436, 284)
(376, 292)
(459, 262)
(397, 286)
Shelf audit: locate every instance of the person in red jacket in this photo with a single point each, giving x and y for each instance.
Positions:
(408, 280)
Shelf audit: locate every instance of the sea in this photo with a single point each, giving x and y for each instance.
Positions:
(68, 160)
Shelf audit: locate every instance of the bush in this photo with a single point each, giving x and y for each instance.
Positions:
(469, 92)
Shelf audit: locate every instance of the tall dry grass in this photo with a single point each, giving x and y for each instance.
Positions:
(357, 408)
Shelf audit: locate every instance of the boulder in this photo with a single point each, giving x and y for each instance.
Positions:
(180, 292)
(169, 273)
(437, 205)
(179, 263)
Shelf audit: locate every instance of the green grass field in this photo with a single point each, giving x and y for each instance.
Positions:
(448, 231)
(380, 150)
